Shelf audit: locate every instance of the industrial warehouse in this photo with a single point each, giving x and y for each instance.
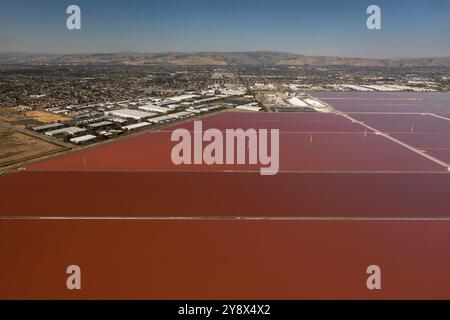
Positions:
(93, 123)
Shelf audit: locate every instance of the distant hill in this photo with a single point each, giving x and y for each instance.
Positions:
(215, 58)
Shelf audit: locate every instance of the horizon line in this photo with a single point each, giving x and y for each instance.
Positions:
(220, 52)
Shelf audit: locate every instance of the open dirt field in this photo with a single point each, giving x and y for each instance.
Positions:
(46, 117)
(15, 147)
(13, 116)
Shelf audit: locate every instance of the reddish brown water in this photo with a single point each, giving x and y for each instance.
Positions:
(225, 194)
(412, 123)
(438, 103)
(425, 140)
(324, 257)
(335, 144)
(391, 113)
(443, 154)
(224, 259)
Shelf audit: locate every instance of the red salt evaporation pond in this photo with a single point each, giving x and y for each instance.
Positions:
(425, 140)
(437, 97)
(438, 103)
(327, 151)
(349, 152)
(31, 193)
(282, 125)
(285, 122)
(442, 154)
(184, 260)
(298, 152)
(412, 123)
(282, 117)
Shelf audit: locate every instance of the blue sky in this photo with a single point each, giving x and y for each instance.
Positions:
(410, 28)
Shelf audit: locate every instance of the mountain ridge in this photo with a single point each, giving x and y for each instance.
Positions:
(216, 58)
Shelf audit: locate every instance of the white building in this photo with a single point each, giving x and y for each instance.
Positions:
(181, 115)
(70, 131)
(118, 120)
(298, 102)
(203, 108)
(183, 97)
(100, 124)
(83, 139)
(135, 126)
(130, 114)
(48, 126)
(151, 107)
(162, 119)
(234, 91)
(318, 106)
(249, 107)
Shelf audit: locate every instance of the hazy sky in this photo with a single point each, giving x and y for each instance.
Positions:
(410, 28)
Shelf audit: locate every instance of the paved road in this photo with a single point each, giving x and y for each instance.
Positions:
(13, 166)
(36, 135)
